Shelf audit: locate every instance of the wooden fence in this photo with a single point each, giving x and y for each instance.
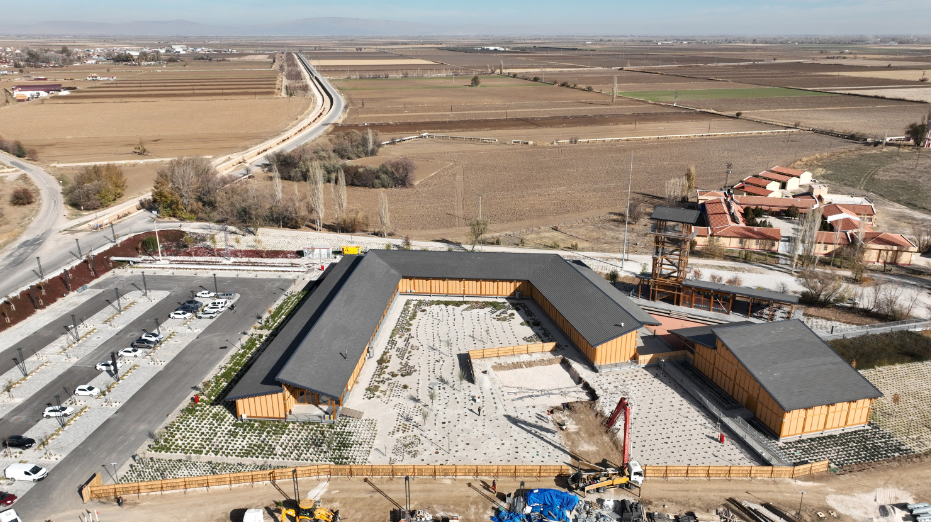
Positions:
(654, 358)
(512, 350)
(96, 489)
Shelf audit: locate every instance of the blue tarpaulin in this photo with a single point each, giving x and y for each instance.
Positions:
(552, 497)
(507, 516)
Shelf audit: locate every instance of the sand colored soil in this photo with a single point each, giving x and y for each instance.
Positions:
(68, 133)
(15, 219)
(532, 186)
(919, 94)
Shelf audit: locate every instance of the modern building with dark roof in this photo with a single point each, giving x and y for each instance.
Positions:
(783, 372)
(318, 354)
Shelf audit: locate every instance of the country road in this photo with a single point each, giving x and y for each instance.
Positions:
(45, 239)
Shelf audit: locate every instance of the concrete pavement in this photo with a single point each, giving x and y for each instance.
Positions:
(121, 436)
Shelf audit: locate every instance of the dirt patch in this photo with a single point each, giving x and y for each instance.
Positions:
(842, 315)
(15, 219)
(526, 364)
(586, 435)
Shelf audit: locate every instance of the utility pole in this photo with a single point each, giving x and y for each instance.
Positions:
(614, 91)
(630, 180)
(157, 242)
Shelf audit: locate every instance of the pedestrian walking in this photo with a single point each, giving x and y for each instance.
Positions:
(494, 486)
(479, 411)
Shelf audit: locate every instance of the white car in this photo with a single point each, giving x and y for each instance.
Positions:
(218, 303)
(107, 366)
(153, 336)
(206, 294)
(180, 314)
(87, 390)
(130, 352)
(23, 471)
(208, 313)
(57, 411)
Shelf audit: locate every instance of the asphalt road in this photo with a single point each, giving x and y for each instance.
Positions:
(120, 436)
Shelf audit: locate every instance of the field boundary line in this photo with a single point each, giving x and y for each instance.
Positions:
(673, 136)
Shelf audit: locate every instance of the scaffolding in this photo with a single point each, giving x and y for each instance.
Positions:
(673, 230)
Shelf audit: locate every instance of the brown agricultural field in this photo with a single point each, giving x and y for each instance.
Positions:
(531, 186)
(205, 108)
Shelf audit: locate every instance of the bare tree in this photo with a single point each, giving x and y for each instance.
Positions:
(340, 205)
(477, 229)
(690, 179)
(317, 205)
(922, 233)
(804, 241)
(675, 188)
(822, 287)
(384, 219)
(276, 179)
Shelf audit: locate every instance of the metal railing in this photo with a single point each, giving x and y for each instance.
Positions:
(893, 326)
(749, 435)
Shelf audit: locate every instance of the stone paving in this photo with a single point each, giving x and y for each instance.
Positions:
(850, 447)
(910, 419)
(827, 326)
(422, 353)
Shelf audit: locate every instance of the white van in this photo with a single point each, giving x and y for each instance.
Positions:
(20, 471)
(10, 516)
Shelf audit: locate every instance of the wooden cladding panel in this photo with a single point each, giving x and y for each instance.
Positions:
(95, 489)
(271, 406)
(512, 350)
(463, 287)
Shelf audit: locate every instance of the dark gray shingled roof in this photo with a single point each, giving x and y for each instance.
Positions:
(341, 315)
(794, 365)
(326, 357)
(591, 311)
(703, 335)
(676, 215)
(742, 290)
(616, 295)
(260, 378)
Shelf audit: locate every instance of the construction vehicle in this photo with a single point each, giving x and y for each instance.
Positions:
(351, 250)
(603, 478)
(307, 511)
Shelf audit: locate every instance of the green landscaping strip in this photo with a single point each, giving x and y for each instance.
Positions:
(721, 94)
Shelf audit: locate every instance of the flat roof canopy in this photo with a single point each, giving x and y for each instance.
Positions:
(765, 295)
(677, 215)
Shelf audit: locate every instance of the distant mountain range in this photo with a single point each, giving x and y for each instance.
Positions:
(302, 27)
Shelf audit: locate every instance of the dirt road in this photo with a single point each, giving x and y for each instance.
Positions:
(854, 496)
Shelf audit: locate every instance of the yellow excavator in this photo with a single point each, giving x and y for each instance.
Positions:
(307, 511)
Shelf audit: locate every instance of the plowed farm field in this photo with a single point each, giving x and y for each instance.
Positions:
(531, 186)
(204, 108)
(507, 109)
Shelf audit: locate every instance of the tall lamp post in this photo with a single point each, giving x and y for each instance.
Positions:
(157, 242)
(799, 517)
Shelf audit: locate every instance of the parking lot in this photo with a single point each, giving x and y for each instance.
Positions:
(154, 381)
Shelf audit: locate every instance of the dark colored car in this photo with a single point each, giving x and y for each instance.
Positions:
(7, 498)
(190, 308)
(18, 441)
(144, 343)
(192, 302)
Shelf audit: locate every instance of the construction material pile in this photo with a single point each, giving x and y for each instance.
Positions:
(540, 505)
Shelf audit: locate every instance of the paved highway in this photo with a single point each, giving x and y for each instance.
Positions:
(117, 439)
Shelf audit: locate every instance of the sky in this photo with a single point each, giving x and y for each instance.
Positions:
(620, 17)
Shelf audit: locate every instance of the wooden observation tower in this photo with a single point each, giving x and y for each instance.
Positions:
(673, 231)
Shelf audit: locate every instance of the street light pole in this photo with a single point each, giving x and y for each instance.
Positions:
(157, 242)
(115, 476)
(119, 305)
(630, 179)
(144, 287)
(799, 517)
(78, 242)
(41, 273)
(216, 290)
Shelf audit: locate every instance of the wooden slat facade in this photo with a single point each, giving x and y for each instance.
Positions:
(476, 287)
(94, 489)
(520, 349)
(722, 367)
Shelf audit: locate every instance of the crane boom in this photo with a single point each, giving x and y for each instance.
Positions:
(623, 406)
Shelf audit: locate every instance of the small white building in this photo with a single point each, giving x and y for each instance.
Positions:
(318, 252)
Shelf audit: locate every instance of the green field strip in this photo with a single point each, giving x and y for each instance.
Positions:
(722, 94)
